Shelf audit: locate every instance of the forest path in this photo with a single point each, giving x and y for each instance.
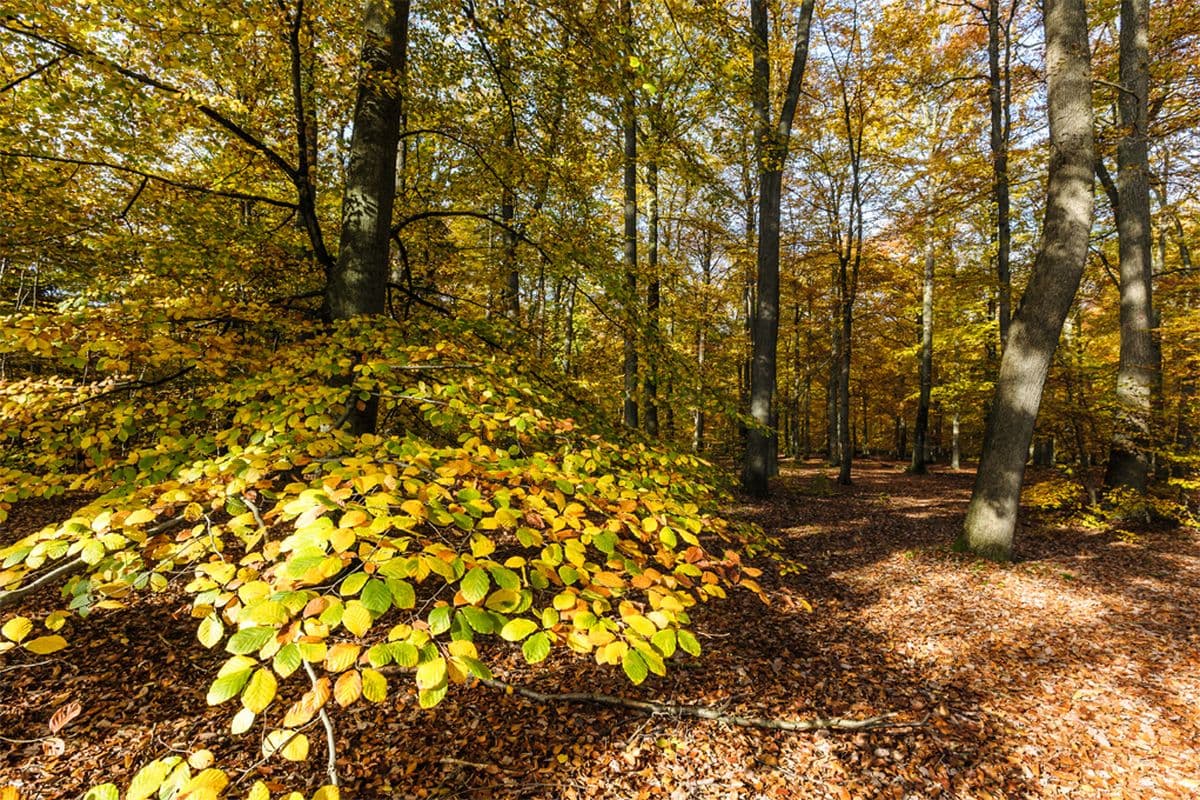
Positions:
(1072, 673)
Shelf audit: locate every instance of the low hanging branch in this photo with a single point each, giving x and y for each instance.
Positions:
(889, 720)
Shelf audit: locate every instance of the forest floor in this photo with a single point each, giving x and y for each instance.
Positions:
(1074, 672)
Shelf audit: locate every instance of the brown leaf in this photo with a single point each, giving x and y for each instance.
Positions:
(63, 716)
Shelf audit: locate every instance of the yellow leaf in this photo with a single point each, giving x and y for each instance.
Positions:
(327, 793)
(201, 759)
(348, 688)
(374, 686)
(356, 619)
(56, 620)
(260, 691)
(353, 518)
(241, 722)
(17, 628)
(208, 784)
(341, 656)
(259, 791)
(140, 517)
(288, 743)
(46, 644)
(414, 508)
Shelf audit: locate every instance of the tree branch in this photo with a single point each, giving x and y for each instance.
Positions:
(189, 187)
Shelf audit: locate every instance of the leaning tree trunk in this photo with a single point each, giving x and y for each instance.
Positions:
(992, 513)
(359, 281)
(772, 150)
(1130, 456)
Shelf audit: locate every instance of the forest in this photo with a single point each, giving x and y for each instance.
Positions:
(605, 398)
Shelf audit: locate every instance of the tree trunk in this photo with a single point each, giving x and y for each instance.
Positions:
(955, 451)
(921, 429)
(772, 149)
(992, 513)
(998, 100)
(359, 281)
(653, 290)
(1130, 455)
(845, 448)
(629, 130)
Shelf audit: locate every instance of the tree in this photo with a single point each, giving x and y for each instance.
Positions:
(992, 513)
(1138, 380)
(358, 284)
(771, 141)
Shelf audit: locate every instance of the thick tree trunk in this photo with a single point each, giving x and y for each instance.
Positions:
(772, 141)
(1130, 456)
(359, 281)
(925, 370)
(992, 513)
(629, 131)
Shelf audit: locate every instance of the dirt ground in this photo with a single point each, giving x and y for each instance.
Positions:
(1074, 672)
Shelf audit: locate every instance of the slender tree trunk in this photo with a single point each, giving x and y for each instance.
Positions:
(1130, 456)
(998, 97)
(629, 130)
(359, 281)
(653, 290)
(845, 446)
(955, 450)
(831, 391)
(992, 513)
(772, 153)
(921, 429)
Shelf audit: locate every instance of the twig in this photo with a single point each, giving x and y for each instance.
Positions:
(262, 527)
(330, 740)
(14, 596)
(702, 712)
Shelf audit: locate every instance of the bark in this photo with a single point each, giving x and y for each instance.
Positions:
(629, 132)
(1130, 454)
(955, 450)
(772, 150)
(999, 103)
(359, 281)
(653, 290)
(992, 513)
(921, 429)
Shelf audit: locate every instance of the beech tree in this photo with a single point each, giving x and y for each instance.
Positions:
(772, 142)
(992, 513)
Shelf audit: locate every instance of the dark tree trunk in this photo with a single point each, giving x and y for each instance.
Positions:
(999, 103)
(921, 429)
(653, 290)
(1130, 456)
(629, 131)
(359, 281)
(772, 150)
(992, 513)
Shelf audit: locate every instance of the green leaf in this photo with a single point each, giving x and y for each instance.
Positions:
(210, 631)
(480, 620)
(402, 593)
(249, 640)
(287, 660)
(439, 620)
(475, 584)
(227, 686)
(634, 666)
(405, 654)
(688, 642)
(536, 648)
(517, 629)
(664, 640)
(376, 597)
(353, 584)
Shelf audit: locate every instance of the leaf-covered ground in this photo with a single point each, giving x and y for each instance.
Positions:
(1073, 673)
